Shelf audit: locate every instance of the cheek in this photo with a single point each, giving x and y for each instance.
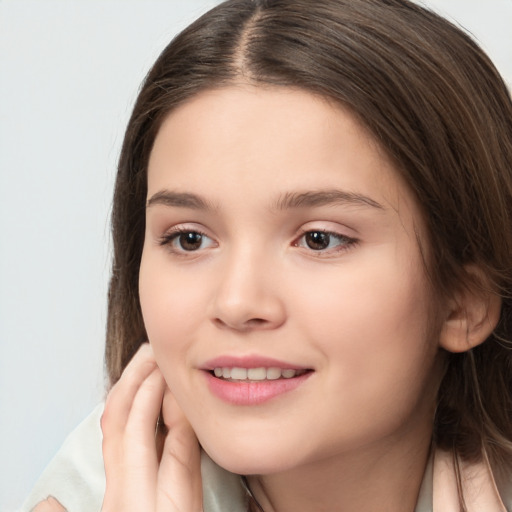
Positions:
(375, 375)
(373, 329)
(384, 299)
(170, 305)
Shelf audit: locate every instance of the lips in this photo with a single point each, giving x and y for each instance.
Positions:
(253, 361)
(252, 380)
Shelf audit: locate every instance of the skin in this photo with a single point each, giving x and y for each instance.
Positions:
(49, 505)
(145, 471)
(359, 313)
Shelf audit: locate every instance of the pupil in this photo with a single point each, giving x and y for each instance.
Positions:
(317, 240)
(191, 241)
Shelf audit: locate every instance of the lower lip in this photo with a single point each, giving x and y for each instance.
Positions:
(252, 393)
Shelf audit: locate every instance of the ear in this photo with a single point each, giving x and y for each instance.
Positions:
(472, 315)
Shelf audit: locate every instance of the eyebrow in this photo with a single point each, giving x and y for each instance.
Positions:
(331, 197)
(180, 200)
(290, 200)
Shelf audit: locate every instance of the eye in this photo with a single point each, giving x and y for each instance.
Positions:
(319, 240)
(182, 240)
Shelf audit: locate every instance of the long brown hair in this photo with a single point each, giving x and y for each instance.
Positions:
(434, 102)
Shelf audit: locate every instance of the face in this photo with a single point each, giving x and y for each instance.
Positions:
(281, 282)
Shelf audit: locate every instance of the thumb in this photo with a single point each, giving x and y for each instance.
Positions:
(49, 505)
(179, 476)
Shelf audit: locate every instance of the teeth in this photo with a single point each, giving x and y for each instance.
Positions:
(238, 373)
(273, 373)
(256, 374)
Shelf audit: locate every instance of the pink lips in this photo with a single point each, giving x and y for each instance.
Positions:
(249, 362)
(251, 393)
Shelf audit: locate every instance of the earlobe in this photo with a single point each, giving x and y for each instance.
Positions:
(472, 316)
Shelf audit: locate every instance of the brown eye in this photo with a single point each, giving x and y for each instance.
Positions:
(184, 241)
(190, 241)
(325, 242)
(317, 240)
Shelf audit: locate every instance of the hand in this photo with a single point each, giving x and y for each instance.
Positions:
(49, 505)
(145, 471)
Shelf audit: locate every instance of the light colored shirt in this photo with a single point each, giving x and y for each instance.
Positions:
(76, 477)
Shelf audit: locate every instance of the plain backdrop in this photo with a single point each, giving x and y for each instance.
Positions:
(69, 73)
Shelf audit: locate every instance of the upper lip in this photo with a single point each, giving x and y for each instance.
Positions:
(253, 361)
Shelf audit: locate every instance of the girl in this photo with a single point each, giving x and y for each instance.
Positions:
(313, 229)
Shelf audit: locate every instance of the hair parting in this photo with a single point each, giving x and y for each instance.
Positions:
(434, 103)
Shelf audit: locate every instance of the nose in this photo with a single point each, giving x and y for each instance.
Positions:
(247, 295)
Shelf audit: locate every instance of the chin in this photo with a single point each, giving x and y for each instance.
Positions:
(256, 460)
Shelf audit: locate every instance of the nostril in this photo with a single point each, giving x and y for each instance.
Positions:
(253, 323)
(219, 323)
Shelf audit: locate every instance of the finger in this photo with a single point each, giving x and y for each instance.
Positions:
(131, 466)
(179, 476)
(120, 399)
(49, 505)
(129, 458)
(142, 421)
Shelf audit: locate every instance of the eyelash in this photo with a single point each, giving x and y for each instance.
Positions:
(169, 238)
(345, 244)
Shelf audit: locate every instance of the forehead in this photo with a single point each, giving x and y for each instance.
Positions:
(263, 140)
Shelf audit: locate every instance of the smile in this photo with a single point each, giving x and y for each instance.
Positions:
(242, 386)
(235, 374)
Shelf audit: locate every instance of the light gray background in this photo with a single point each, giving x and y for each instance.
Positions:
(69, 73)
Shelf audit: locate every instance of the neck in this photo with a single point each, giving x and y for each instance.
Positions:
(384, 478)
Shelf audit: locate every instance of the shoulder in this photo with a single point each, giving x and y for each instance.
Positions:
(75, 476)
(504, 484)
(480, 488)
